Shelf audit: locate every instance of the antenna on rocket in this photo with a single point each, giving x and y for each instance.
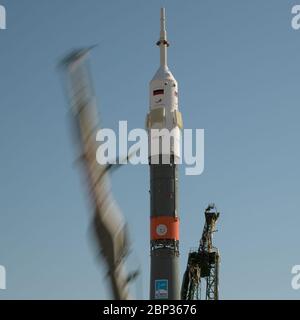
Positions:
(163, 42)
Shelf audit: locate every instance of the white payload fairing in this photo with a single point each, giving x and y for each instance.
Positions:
(164, 113)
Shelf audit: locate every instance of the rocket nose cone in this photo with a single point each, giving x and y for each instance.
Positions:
(163, 73)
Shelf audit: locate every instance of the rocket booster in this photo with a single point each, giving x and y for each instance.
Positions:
(164, 116)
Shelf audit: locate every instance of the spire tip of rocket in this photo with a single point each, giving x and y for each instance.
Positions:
(163, 42)
(162, 20)
(163, 32)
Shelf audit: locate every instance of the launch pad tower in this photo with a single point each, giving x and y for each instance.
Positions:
(203, 263)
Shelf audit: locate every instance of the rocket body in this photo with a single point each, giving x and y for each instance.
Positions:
(164, 123)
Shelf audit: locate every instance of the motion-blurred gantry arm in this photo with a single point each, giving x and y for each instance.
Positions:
(108, 221)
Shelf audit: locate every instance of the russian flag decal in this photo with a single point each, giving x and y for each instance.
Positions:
(158, 91)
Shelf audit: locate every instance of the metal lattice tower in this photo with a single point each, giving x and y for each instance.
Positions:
(203, 263)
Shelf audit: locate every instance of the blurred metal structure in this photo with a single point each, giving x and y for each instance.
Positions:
(203, 263)
(108, 222)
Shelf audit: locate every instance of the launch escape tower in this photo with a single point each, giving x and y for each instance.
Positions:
(203, 263)
(164, 218)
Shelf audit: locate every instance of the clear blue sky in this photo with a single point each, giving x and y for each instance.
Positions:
(237, 65)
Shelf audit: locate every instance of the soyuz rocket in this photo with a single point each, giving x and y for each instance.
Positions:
(163, 162)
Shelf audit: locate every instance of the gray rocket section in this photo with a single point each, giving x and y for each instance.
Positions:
(164, 189)
(164, 252)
